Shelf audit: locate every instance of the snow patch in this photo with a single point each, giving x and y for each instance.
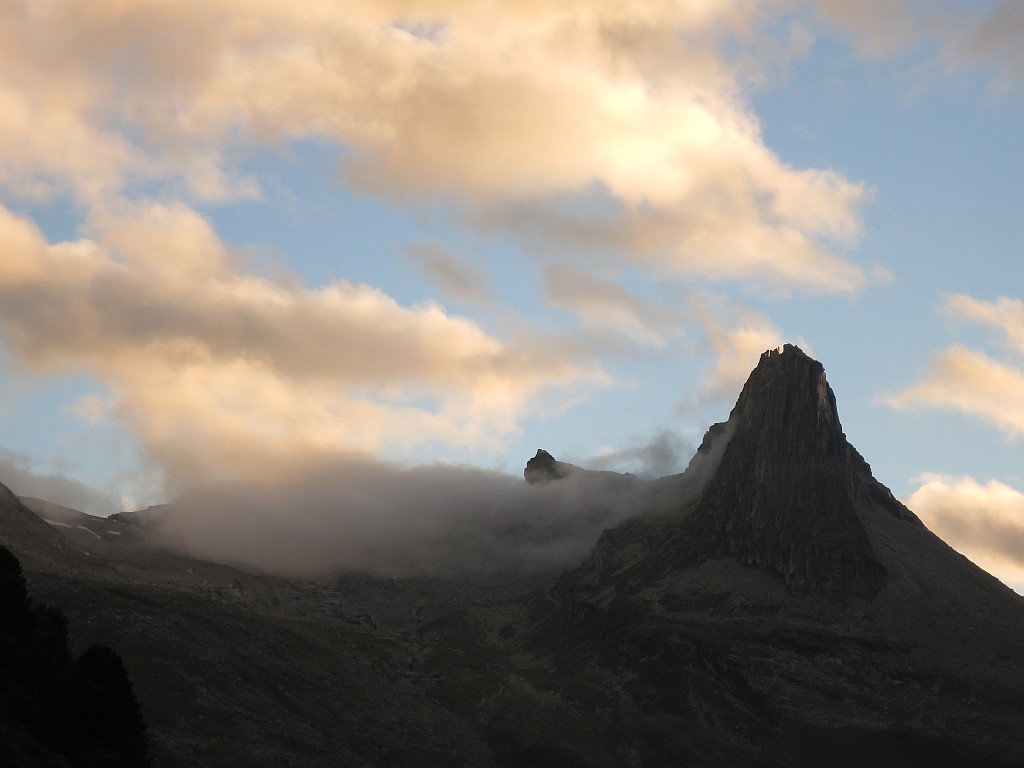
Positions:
(88, 530)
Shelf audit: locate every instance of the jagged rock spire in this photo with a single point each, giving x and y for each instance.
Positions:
(784, 496)
(543, 467)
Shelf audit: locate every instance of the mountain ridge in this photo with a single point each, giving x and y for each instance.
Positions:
(738, 618)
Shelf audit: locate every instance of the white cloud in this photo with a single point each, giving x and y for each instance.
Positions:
(969, 380)
(606, 307)
(1005, 315)
(229, 374)
(490, 106)
(984, 521)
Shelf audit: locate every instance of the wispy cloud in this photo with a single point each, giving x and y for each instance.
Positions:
(1004, 315)
(960, 36)
(969, 380)
(665, 453)
(18, 474)
(605, 306)
(994, 41)
(458, 278)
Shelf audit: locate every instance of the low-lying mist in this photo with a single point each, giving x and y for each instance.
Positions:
(438, 520)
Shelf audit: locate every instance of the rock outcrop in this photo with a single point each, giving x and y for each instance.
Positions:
(781, 489)
(785, 494)
(543, 468)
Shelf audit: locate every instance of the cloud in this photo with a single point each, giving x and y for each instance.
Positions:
(610, 309)
(985, 522)
(361, 514)
(973, 36)
(457, 277)
(878, 27)
(1005, 315)
(229, 373)
(618, 128)
(665, 453)
(444, 520)
(16, 473)
(494, 107)
(969, 380)
(973, 383)
(994, 41)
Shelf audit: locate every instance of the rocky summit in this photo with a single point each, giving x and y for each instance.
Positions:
(773, 605)
(797, 599)
(786, 495)
(543, 468)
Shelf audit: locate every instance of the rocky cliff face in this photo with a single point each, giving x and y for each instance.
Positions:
(797, 608)
(782, 490)
(543, 468)
(784, 497)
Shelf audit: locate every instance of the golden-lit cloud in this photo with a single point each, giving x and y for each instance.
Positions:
(969, 380)
(994, 41)
(608, 309)
(973, 383)
(958, 36)
(1004, 315)
(612, 138)
(878, 27)
(233, 374)
(455, 276)
(984, 521)
(491, 106)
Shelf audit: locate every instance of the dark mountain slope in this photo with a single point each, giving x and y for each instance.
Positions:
(827, 613)
(28, 536)
(57, 710)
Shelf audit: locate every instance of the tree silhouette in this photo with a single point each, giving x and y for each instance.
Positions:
(114, 719)
(55, 710)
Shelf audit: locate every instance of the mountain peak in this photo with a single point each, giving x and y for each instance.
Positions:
(787, 376)
(788, 496)
(785, 495)
(543, 468)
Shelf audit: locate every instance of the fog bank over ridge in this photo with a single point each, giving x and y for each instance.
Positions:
(437, 520)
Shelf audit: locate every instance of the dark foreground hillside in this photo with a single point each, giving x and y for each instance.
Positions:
(56, 710)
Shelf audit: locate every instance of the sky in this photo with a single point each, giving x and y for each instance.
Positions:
(242, 239)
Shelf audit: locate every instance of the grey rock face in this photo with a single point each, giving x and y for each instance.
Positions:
(784, 497)
(543, 468)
